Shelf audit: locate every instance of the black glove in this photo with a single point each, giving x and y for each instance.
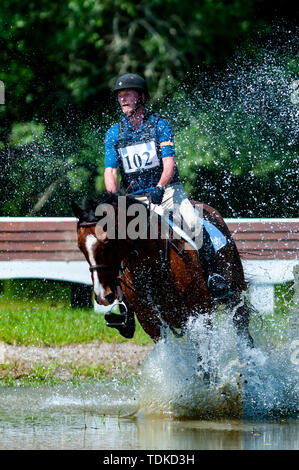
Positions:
(156, 195)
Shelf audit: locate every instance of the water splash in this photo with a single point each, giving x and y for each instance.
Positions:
(213, 375)
(236, 131)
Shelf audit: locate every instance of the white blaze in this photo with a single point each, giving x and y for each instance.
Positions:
(91, 240)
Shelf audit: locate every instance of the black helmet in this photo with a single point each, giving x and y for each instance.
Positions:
(131, 81)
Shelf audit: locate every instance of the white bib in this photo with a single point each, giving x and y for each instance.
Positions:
(139, 157)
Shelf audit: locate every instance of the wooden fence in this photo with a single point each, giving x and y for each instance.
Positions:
(47, 248)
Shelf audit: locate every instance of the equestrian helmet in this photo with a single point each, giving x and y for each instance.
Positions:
(131, 81)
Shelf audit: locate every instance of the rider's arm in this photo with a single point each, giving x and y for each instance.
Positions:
(169, 165)
(111, 180)
(166, 142)
(111, 163)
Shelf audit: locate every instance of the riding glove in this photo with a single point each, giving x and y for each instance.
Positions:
(156, 195)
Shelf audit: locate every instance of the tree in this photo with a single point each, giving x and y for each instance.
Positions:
(59, 62)
(56, 56)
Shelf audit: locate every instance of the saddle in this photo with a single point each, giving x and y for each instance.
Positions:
(213, 240)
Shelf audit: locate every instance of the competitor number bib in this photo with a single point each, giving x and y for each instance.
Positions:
(139, 157)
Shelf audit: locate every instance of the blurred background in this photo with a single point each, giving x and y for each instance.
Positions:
(224, 72)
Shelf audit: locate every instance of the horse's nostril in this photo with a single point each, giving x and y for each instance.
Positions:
(110, 298)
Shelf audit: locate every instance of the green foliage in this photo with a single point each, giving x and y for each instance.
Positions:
(70, 53)
(237, 137)
(44, 172)
(59, 62)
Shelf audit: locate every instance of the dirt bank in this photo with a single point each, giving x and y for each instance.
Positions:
(76, 360)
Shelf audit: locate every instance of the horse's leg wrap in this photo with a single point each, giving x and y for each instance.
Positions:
(241, 323)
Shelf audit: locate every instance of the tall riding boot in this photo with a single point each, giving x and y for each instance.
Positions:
(217, 285)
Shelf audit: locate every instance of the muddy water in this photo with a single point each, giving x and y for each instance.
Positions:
(105, 416)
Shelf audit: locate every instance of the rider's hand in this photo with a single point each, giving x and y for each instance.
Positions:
(157, 194)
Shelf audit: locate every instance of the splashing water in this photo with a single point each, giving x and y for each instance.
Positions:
(238, 131)
(174, 377)
(211, 374)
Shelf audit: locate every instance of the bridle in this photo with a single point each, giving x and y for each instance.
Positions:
(97, 267)
(123, 267)
(94, 267)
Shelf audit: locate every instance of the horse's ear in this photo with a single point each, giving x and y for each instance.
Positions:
(78, 211)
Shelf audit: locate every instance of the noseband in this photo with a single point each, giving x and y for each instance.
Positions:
(95, 267)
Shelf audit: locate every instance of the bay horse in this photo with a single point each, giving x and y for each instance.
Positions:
(159, 281)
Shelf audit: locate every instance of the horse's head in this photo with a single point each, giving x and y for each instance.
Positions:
(100, 250)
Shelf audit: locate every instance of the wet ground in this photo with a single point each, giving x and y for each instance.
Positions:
(205, 391)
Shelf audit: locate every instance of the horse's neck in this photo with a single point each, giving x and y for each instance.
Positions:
(143, 252)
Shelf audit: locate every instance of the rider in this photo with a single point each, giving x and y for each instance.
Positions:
(152, 175)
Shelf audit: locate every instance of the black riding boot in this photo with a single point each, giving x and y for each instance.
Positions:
(217, 285)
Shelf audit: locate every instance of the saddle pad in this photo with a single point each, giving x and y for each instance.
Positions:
(217, 237)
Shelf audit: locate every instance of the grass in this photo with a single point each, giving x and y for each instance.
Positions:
(27, 323)
(31, 317)
(38, 313)
(54, 373)
(271, 328)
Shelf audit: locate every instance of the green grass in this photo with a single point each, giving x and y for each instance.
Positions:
(53, 373)
(272, 327)
(28, 323)
(39, 313)
(284, 294)
(34, 317)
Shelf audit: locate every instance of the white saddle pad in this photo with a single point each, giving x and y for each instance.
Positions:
(217, 237)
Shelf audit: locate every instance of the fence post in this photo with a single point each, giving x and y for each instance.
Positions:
(262, 297)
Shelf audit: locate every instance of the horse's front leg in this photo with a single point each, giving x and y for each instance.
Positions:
(241, 323)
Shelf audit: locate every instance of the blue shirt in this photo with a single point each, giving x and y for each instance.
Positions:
(164, 136)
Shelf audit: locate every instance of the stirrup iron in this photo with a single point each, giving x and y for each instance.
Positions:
(117, 319)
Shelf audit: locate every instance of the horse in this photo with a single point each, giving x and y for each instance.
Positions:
(159, 280)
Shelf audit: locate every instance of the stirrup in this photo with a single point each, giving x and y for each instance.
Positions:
(117, 319)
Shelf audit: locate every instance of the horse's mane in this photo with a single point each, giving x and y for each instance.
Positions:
(89, 205)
